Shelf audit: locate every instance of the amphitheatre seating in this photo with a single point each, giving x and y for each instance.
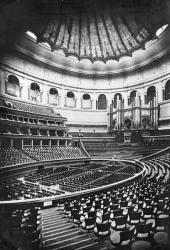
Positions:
(30, 108)
(138, 209)
(52, 176)
(147, 196)
(53, 153)
(12, 156)
(76, 178)
(26, 225)
(123, 219)
(14, 189)
(95, 178)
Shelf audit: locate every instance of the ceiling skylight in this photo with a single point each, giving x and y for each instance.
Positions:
(161, 30)
(30, 34)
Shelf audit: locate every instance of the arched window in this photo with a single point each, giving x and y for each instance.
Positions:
(70, 100)
(13, 79)
(102, 103)
(132, 96)
(35, 92)
(70, 94)
(53, 91)
(161, 30)
(35, 86)
(53, 96)
(117, 97)
(86, 97)
(86, 102)
(146, 122)
(151, 93)
(13, 86)
(167, 90)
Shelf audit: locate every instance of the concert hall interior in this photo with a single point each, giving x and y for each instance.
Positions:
(84, 124)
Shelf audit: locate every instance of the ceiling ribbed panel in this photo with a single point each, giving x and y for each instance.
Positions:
(98, 30)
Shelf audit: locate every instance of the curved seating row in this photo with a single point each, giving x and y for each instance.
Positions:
(131, 215)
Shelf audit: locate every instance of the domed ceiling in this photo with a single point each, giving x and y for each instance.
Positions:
(98, 30)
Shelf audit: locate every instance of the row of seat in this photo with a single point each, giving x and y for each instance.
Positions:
(135, 214)
(99, 178)
(31, 108)
(13, 156)
(22, 228)
(53, 153)
(13, 189)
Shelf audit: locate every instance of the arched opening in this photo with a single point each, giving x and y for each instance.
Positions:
(35, 92)
(53, 96)
(167, 90)
(117, 98)
(70, 100)
(161, 30)
(70, 94)
(86, 97)
(102, 102)
(127, 123)
(53, 91)
(13, 86)
(151, 94)
(145, 123)
(132, 96)
(86, 101)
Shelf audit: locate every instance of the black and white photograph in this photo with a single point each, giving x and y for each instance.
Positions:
(84, 125)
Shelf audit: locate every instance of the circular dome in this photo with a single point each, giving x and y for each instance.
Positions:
(98, 30)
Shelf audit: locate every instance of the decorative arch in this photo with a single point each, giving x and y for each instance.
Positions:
(13, 86)
(86, 101)
(86, 96)
(151, 93)
(146, 122)
(167, 90)
(119, 96)
(127, 123)
(35, 86)
(53, 96)
(102, 102)
(132, 96)
(53, 91)
(35, 94)
(70, 100)
(70, 94)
